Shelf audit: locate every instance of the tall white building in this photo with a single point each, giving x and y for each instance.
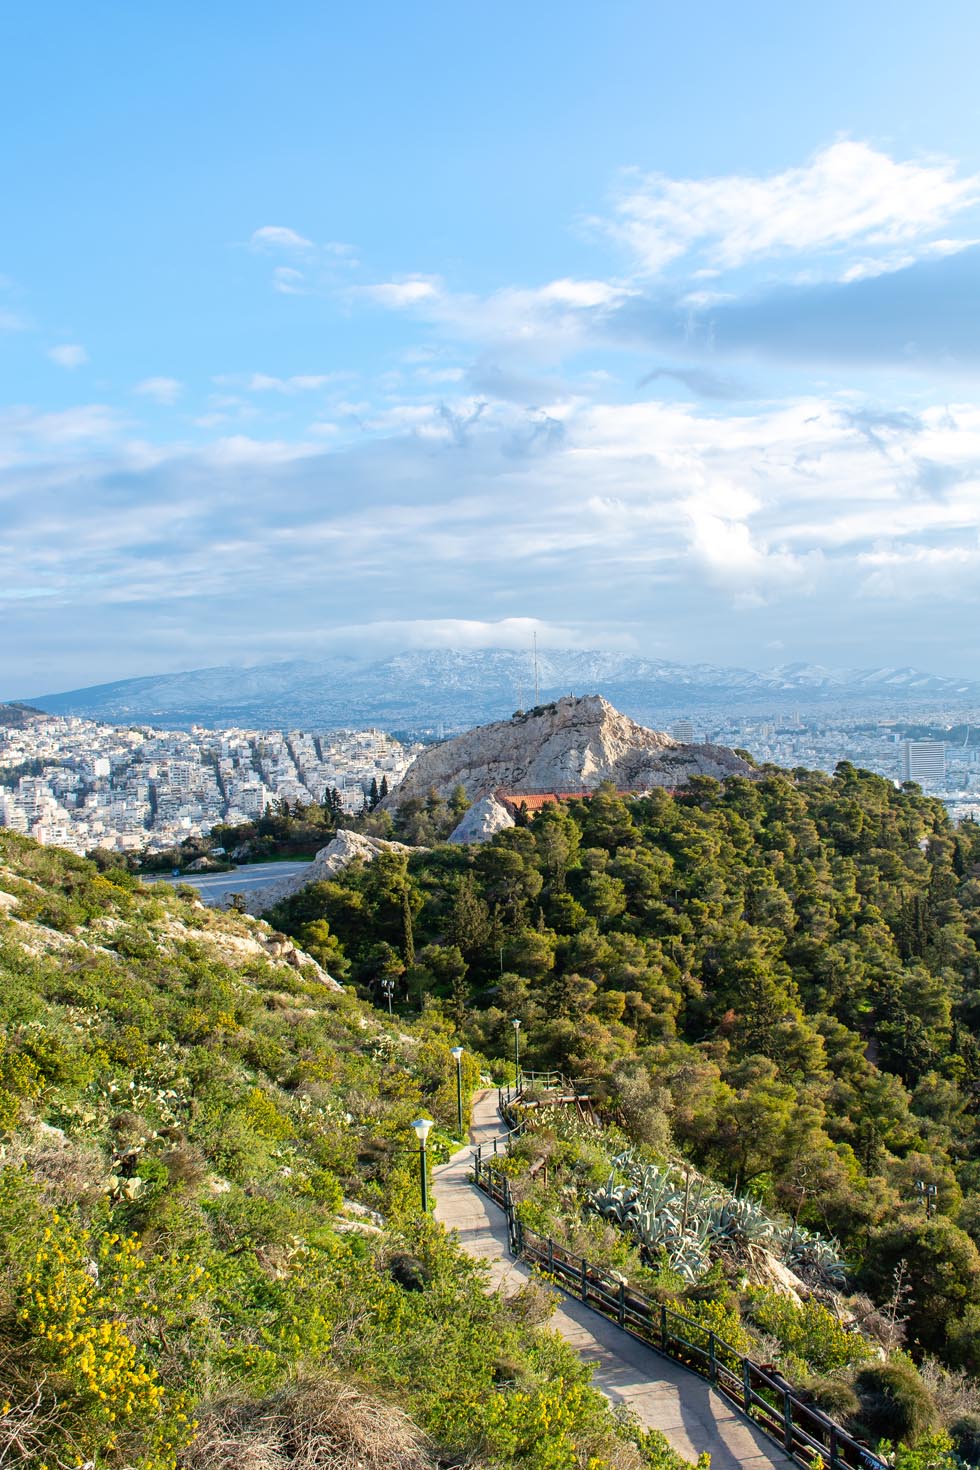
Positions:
(683, 730)
(924, 761)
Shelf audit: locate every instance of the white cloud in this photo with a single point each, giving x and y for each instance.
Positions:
(915, 572)
(636, 517)
(453, 633)
(164, 391)
(848, 196)
(578, 293)
(29, 436)
(321, 262)
(546, 321)
(289, 282)
(241, 451)
(399, 294)
(279, 237)
(68, 355)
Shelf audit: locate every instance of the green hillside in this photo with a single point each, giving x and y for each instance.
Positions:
(775, 981)
(212, 1253)
(210, 1246)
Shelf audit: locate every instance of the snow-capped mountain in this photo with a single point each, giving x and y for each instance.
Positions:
(457, 688)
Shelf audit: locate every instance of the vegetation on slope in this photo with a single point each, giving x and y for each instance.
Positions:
(778, 981)
(211, 1253)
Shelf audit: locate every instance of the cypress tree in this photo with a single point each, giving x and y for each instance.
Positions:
(409, 934)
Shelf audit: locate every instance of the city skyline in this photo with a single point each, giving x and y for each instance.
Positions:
(422, 330)
(82, 784)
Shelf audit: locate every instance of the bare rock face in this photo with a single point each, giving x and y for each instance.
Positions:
(572, 745)
(346, 848)
(482, 821)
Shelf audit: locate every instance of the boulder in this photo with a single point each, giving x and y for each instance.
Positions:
(484, 820)
(346, 848)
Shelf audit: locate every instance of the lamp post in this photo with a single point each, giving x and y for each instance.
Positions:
(457, 1055)
(388, 986)
(517, 1053)
(422, 1127)
(927, 1194)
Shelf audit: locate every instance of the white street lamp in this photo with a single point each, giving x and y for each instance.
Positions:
(423, 1127)
(457, 1054)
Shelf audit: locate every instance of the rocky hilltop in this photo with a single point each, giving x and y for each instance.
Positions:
(570, 745)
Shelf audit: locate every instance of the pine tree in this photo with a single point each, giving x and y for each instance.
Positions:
(469, 922)
(333, 804)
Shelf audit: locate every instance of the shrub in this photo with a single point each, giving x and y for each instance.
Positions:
(808, 1331)
(717, 1317)
(895, 1403)
(834, 1396)
(70, 1346)
(933, 1453)
(956, 1393)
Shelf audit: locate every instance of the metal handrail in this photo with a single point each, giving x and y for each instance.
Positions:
(763, 1395)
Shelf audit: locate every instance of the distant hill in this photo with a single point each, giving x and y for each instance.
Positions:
(16, 716)
(433, 687)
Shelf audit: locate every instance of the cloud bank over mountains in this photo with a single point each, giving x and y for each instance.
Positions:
(751, 429)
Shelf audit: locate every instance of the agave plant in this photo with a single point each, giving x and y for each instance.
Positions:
(692, 1256)
(740, 1221)
(613, 1201)
(812, 1256)
(688, 1217)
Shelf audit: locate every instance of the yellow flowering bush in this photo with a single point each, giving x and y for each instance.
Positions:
(71, 1305)
(532, 1429)
(717, 1317)
(809, 1331)
(20, 1079)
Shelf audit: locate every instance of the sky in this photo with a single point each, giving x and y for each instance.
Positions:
(644, 326)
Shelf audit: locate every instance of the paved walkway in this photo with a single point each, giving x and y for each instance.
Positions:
(664, 1395)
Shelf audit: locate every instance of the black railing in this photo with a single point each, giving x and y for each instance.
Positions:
(761, 1393)
(545, 1088)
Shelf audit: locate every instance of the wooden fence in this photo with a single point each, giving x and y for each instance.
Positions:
(761, 1393)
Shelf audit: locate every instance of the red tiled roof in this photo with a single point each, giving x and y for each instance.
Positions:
(533, 801)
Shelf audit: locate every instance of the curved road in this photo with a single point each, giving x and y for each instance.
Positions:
(214, 888)
(663, 1395)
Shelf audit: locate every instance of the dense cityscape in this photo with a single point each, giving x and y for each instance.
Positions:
(943, 759)
(78, 784)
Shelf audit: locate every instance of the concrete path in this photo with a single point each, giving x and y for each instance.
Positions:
(663, 1395)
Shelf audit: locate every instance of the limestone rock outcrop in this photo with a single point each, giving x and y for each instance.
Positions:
(346, 848)
(571, 745)
(483, 820)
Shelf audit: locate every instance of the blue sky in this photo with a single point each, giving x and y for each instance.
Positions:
(651, 327)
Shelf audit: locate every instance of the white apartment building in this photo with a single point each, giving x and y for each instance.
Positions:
(924, 761)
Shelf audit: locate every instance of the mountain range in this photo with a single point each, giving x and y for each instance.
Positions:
(429, 688)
